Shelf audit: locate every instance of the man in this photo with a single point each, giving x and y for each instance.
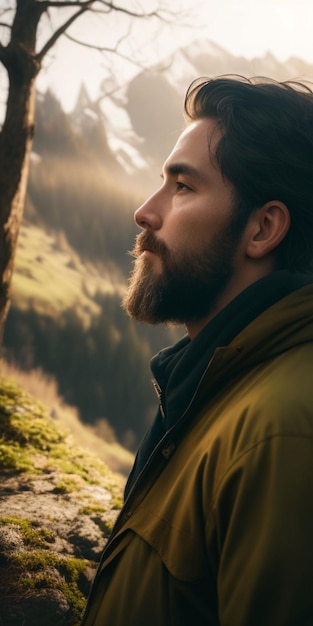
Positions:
(217, 526)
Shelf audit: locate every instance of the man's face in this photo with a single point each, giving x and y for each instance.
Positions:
(185, 254)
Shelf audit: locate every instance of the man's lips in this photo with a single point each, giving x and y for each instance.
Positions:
(147, 251)
(146, 245)
(148, 255)
(144, 250)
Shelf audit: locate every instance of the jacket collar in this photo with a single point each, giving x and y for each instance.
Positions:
(248, 326)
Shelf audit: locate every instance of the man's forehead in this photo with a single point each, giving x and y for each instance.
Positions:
(197, 142)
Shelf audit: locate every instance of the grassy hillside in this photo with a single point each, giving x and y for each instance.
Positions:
(50, 277)
(99, 439)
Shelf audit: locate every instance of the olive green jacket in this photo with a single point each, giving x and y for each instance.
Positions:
(218, 529)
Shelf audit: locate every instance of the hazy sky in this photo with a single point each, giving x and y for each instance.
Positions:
(251, 27)
(243, 27)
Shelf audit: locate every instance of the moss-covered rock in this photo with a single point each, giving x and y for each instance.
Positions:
(57, 507)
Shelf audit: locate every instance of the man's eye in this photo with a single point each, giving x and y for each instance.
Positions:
(182, 187)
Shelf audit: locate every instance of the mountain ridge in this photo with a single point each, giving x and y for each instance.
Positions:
(199, 58)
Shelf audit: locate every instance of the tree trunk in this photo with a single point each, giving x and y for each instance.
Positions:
(16, 138)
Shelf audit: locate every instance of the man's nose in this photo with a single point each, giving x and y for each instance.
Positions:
(149, 215)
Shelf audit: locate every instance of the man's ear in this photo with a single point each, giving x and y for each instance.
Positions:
(268, 227)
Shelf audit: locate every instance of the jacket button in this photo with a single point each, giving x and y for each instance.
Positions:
(168, 451)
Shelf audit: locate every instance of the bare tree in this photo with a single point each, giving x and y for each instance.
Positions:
(21, 55)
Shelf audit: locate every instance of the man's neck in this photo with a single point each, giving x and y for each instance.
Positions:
(233, 289)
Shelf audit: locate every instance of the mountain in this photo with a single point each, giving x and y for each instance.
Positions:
(143, 119)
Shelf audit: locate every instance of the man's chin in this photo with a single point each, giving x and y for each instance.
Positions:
(136, 311)
(140, 302)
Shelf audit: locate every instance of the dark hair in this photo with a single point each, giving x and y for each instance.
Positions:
(266, 149)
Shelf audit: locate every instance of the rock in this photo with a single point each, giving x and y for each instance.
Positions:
(57, 507)
(46, 608)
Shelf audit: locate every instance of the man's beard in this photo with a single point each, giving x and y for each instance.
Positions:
(190, 281)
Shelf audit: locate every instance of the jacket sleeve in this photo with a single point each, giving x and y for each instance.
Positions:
(263, 520)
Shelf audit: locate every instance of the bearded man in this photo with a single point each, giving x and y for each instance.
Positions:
(216, 529)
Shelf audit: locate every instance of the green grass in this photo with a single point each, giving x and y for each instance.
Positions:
(50, 277)
(36, 537)
(37, 565)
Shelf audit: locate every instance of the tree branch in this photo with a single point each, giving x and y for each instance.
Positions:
(3, 54)
(88, 6)
(8, 10)
(105, 48)
(110, 6)
(50, 43)
(68, 3)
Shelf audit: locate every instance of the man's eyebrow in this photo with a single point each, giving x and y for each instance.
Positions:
(181, 168)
